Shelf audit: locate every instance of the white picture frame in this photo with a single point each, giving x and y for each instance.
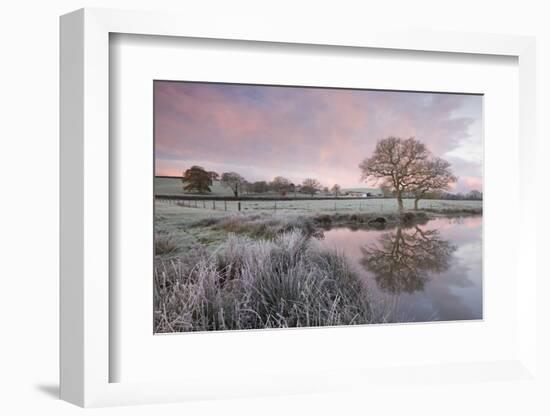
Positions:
(85, 205)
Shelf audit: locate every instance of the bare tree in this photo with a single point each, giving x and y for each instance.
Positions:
(311, 186)
(246, 187)
(336, 190)
(292, 188)
(260, 187)
(234, 181)
(475, 194)
(434, 177)
(281, 185)
(401, 165)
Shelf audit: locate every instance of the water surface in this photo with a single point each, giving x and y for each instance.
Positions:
(429, 272)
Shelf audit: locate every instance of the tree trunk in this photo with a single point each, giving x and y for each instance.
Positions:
(416, 203)
(400, 202)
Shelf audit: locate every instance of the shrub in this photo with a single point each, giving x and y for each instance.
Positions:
(164, 244)
(260, 226)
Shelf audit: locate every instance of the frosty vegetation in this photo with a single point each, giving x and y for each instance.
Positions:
(251, 284)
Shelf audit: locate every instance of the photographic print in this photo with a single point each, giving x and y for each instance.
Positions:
(293, 206)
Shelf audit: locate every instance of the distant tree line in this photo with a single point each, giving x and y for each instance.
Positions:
(473, 195)
(199, 180)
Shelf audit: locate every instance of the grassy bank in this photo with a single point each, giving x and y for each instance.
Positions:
(269, 226)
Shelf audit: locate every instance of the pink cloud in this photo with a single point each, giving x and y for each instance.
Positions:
(297, 132)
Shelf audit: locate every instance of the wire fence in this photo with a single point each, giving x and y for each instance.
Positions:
(359, 205)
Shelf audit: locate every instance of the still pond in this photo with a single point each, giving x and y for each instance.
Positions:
(429, 272)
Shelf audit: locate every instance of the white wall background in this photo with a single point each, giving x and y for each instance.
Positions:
(29, 208)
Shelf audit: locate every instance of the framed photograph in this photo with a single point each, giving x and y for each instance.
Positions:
(263, 211)
(368, 225)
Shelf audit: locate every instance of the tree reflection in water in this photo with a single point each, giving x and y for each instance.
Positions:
(401, 260)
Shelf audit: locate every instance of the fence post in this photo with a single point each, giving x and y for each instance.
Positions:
(196, 204)
(203, 203)
(225, 205)
(214, 205)
(275, 205)
(334, 205)
(239, 205)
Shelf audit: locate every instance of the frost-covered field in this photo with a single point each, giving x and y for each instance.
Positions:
(382, 206)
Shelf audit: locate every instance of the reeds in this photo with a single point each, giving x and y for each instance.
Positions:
(283, 281)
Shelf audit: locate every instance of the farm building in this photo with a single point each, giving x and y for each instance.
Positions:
(363, 192)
